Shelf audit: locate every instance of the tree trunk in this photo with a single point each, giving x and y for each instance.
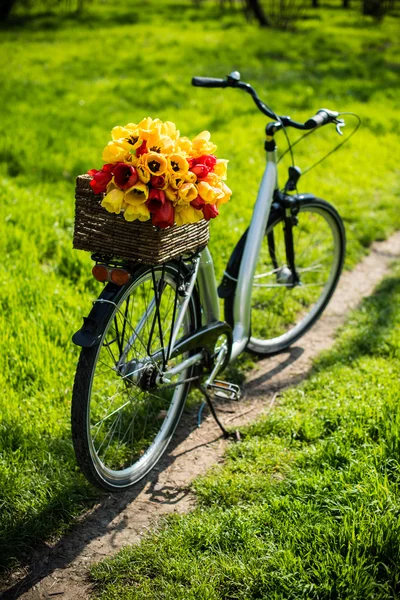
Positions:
(346, 3)
(255, 8)
(5, 8)
(315, 3)
(373, 8)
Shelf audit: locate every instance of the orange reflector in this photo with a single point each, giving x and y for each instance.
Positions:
(119, 276)
(100, 272)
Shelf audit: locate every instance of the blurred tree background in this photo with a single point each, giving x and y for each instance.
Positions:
(268, 13)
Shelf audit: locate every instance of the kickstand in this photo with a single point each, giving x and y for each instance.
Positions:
(227, 434)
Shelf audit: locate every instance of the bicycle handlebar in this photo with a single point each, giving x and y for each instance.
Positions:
(322, 117)
(210, 82)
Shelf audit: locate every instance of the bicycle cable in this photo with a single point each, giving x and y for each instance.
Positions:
(291, 146)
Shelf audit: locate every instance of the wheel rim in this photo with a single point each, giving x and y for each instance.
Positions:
(281, 312)
(127, 427)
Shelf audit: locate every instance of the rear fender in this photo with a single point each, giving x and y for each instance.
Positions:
(93, 325)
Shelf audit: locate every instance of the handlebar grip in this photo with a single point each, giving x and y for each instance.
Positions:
(209, 82)
(321, 118)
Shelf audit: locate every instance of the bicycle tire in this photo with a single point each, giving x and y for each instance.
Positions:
(272, 332)
(129, 455)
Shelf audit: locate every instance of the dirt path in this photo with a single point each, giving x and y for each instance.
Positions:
(61, 571)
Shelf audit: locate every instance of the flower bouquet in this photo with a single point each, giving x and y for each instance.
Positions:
(167, 185)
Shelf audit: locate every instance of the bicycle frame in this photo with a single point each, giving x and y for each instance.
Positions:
(204, 270)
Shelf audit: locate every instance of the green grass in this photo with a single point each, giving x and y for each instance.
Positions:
(308, 505)
(66, 81)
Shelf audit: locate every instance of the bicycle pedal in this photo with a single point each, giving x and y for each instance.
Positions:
(224, 390)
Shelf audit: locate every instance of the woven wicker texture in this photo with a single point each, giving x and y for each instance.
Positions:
(99, 231)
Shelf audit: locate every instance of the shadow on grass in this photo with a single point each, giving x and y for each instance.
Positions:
(40, 559)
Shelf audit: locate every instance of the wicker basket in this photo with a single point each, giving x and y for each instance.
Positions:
(99, 231)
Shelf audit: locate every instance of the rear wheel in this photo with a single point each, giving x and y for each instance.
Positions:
(122, 420)
(281, 311)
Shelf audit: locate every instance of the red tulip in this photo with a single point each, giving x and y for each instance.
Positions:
(142, 149)
(101, 178)
(208, 159)
(155, 200)
(164, 216)
(125, 176)
(200, 170)
(210, 211)
(197, 203)
(158, 181)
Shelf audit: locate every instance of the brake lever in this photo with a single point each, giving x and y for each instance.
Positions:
(339, 123)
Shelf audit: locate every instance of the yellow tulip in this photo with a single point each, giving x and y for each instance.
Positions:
(169, 129)
(129, 139)
(187, 193)
(201, 144)
(132, 127)
(119, 132)
(226, 193)
(137, 194)
(220, 168)
(190, 177)
(209, 193)
(212, 179)
(131, 159)
(113, 152)
(176, 181)
(138, 211)
(183, 146)
(147, 126)
(159, 143)
(187, 214)
(177, 165)
(113, 201)
(171, 194)
(156, 163)
(112, 186)
(143, 172)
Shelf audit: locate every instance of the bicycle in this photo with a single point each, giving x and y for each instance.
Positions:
(155, 330)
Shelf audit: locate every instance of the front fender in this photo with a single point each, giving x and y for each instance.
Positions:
(229, 280)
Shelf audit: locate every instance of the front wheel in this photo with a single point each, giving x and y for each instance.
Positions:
(122, 420)
(283, 309)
